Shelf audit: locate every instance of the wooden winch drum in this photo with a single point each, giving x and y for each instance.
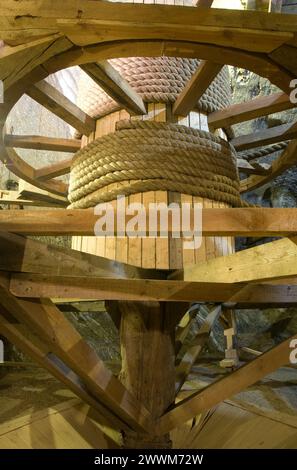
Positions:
(155, 253)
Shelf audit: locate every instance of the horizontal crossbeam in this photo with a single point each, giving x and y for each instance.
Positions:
(38, 285)
(229, 222)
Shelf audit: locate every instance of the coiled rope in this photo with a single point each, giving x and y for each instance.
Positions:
(156, 80)
(148, 156)
(263, 151)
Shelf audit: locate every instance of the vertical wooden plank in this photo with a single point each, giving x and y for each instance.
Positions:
(200, 253)
(218, 241)
(122, 245)
(209, 241)
(194, 120)
(204, 122)
(110, 242)
(162, 245)
(183, 121)
(134, 244)
(175, 244)
(160, 112)
(148, 244)
(188, 255)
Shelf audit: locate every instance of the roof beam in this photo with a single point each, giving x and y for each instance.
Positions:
(196, 87)
(109, 79)
(227, 386)
(241, 112)
(266, 137)
(49, 97)
(37, 142)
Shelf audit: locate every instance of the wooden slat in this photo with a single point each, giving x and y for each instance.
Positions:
(196, 87)
(42, 143)
(19, 254)
(108, 78)
(227, 387)
(266, 137)
(53, 100)
(285, 161)
(274, 260)
(54, 170)
(30, 344)
(13, 197)
(61, 287)
(261, 106)
(50, 324)
(228, 222)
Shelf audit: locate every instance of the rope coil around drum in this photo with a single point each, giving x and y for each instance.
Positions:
(146, 156)
(156, 80)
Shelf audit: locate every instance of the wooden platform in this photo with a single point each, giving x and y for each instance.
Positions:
(70, 426)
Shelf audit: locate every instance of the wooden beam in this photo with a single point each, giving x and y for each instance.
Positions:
(19, 254)
(188, 360)
(37, 142)
(83, 288)
(229, 222)
(29, 191)
(54, 170)
(227, 387)
(285, 161)
(109, 79)
(271, 261)
(253, 109)
(253, 169)
(266, 137)
(196, 87)
(13, 197)
(49, 97)
(23, 338)
(43, 317)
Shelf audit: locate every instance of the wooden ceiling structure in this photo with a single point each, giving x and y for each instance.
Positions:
(42, 38)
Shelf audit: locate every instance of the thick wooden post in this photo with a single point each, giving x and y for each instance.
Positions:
(148, 360)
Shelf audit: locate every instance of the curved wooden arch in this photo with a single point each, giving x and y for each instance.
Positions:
(248, 47)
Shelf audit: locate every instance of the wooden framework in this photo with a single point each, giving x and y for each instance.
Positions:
(255, 40)
(52, 37)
